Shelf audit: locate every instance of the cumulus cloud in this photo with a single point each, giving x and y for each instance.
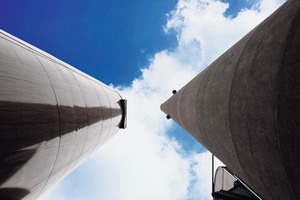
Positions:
(204, 21)
(143, 162)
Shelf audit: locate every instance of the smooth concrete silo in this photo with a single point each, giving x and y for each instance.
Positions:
(52, 117)
(245, 106)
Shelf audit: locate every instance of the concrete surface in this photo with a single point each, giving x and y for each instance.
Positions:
(244, 107)
(52, 118)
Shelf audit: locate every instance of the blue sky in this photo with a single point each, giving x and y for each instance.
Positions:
(97, 37)
(109, 40)
(115, 35)
(145, 49)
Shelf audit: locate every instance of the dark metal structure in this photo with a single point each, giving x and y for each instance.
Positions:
(52, 117)
(227, 186)
(244, 107)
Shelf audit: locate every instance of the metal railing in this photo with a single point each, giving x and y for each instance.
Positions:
(227, 186)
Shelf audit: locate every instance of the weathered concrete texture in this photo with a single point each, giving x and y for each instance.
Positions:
(52, 118)
(244, 107)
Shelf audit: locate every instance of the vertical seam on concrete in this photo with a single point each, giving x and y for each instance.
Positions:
(110, 126)
(87, 118)
(101, 120)
(35, 54)
(230, 97)
(60, 127)
(270, 20)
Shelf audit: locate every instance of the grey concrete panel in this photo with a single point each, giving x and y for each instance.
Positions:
(244, 106)
(19, 80)
(107, 99)
(67, 92)
(106, 125)
(112, 103)
(6, 52)
(102, 98)
(91, 100)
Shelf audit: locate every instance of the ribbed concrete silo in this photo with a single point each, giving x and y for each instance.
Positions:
(245, 106)
(52, 117)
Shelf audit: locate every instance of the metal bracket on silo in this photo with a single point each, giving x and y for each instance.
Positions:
(123, 123)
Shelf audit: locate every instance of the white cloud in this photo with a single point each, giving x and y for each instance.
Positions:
(141, 162)
(203, 21)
